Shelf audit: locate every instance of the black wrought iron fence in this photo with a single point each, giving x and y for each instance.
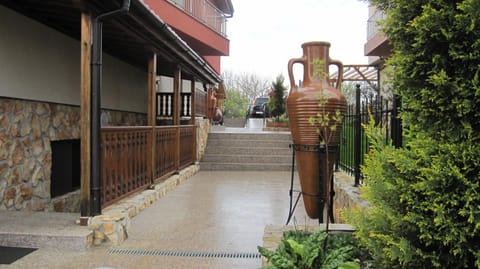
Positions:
(354, 143)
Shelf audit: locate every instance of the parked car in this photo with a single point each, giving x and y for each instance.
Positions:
(258, 109)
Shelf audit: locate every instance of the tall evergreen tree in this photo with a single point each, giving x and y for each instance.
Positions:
(276, 103)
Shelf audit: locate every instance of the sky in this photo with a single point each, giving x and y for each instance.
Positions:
(265, 34)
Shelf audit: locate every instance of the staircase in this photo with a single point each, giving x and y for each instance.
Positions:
(248, 151)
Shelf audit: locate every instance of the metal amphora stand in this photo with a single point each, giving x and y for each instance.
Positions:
(321, 195)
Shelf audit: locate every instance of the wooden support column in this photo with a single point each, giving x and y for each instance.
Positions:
(206, 89)
(177, 82)
(152, 76)
(210, 104)
(151, 111)
(192, 119)
(85, 115)
(192, 102)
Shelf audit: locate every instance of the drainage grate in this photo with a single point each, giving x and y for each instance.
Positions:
(174, 253)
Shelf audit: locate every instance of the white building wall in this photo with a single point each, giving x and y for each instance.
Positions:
(40, 63)
(165, 84)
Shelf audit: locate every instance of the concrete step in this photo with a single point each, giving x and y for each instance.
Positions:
(260, 159)
(245, 166)
(244, 151)
(248, 143)
(272, 136)
(43, 229)
(248, 150)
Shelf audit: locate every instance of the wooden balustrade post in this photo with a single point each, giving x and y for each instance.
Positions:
(177, 82)
(85, 115)
(152, 119)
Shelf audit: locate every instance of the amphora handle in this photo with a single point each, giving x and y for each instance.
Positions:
(340, 72)
(290, 71)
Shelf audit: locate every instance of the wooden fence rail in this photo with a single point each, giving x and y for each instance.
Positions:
(165, 147)
(187, 136)
(127, 157)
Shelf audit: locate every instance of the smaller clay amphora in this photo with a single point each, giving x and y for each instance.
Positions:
(314, 169)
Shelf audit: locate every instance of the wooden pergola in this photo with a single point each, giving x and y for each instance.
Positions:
(360, 73)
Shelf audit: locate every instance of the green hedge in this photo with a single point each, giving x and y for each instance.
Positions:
(425, 197)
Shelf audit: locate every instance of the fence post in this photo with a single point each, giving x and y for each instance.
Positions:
(357, 129)
(177, 147)
(396, 123)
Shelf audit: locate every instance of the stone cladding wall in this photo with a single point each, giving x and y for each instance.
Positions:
(203, 127)
(346, 196)
(26, 130)
(120, 118)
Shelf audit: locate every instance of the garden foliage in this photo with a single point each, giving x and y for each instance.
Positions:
(425, 197)
(303, 250)
(276, 103)
(236, 104)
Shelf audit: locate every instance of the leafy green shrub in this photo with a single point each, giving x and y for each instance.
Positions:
(236, 104)
(301, 249)
(425, 202)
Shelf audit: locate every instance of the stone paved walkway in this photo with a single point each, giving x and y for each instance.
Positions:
(212, 212)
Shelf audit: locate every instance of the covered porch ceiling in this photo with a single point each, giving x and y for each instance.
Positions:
(132, 37)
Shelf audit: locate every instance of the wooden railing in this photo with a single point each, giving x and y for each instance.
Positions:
(125, 154)
(165, 104)
(200, 103)
(187, 145)
(127, 164)
(185, 101)
(165, 147)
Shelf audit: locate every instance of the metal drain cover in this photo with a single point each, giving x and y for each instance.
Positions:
(177, 253)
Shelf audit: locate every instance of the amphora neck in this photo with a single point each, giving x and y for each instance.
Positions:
(317, 59)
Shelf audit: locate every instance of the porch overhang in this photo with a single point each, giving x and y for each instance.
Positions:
(169, 47)
(132, 38)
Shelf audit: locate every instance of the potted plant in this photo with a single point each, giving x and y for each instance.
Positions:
(278, 122)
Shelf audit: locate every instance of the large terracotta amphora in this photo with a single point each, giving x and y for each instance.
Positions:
(314, 169)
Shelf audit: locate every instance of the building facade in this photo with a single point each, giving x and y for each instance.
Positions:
(377, 46)
(47, 98)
